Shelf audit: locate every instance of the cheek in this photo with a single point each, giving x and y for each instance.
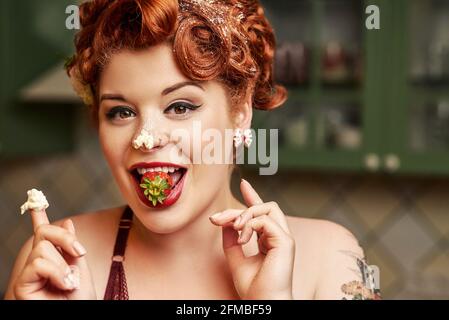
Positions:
(114, 143)
(203, 172)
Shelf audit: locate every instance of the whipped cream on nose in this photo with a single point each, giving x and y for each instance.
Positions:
(144, 138)
(36, 201)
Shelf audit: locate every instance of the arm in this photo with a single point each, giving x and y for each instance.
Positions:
(345, 273)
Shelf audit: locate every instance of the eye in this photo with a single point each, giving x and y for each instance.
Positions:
(120, 113)
(180, 108)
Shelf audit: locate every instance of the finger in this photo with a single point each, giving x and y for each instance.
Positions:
(274, 235)
(38, 218)
(46, 250)
(42, 269)
(84, 274)
(69, 226)
(225, 217)
(260, 242)
(60, 237)
(270, 208)
(232, 249)
(250, 195)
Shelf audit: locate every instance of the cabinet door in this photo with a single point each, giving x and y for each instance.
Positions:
(322, 60)
(420, 99)
(34, 38)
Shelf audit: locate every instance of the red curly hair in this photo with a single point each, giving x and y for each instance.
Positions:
(227, 40)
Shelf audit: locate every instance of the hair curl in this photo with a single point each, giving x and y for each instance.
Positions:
(228, 40)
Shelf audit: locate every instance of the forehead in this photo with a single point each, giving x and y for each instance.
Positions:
(153, 67)
(143, 75)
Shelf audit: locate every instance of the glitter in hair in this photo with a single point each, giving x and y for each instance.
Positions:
(225, 40)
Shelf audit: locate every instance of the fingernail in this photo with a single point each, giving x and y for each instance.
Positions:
(237, 222)
(216, 215)
(79, 249)
(71, 226)
(72, 279)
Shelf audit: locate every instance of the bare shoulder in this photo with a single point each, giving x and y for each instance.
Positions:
(320, 234)
(96, 228)
(95, 219)
(314, 238)
(308, 228)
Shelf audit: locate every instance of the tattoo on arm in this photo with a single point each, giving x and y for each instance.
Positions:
(365, 287)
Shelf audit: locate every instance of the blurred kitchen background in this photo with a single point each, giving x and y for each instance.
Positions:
(364, 137)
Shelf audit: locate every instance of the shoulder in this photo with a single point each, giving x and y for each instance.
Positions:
(320, 231)
(319, 244)
(94, 223)
(328, 238)
(96, 230)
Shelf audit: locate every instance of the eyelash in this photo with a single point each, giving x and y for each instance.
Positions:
(112, 114)
(184, 105)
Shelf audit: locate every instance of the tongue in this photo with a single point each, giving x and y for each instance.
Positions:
(176, 176)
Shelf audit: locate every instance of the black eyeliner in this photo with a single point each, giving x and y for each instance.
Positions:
(186, 105)
(115, 110)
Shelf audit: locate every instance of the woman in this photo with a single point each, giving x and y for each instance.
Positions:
(147, 69)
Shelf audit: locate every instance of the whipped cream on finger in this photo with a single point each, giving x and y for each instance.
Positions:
(36, 201)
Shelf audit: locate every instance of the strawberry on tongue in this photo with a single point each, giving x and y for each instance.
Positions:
(157, 186)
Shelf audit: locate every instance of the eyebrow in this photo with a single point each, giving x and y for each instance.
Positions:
(164, 93)
(181, 85)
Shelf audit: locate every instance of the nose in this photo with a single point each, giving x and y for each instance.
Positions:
(149, 140)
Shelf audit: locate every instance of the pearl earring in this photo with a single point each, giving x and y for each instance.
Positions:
(248, 137)
(238, 138)
(243, 136)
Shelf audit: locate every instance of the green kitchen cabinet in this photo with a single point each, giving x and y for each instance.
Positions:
(418, 96)
(356, 105)
(359, 100)
(33, 38)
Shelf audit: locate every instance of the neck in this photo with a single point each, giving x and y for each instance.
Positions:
(193, 240)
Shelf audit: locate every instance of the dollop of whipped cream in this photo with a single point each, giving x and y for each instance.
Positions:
(36, 201)
(145, 139)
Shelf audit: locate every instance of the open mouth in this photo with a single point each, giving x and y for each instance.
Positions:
(157, 184)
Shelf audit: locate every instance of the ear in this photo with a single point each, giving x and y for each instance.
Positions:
(244, 115)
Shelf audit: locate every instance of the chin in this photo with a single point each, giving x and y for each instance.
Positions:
(164, 218)
(166, 221)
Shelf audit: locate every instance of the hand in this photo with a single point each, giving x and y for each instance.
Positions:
(56, 267)
(267, 275)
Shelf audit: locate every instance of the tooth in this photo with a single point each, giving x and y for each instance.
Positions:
(165, 169)
(157, 169)
(151, 170)
(140, 170)
(171, 169)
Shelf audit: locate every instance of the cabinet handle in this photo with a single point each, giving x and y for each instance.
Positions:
(392, 162)
(372, 162)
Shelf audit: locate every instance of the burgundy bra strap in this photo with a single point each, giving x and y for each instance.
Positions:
(117, 288)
